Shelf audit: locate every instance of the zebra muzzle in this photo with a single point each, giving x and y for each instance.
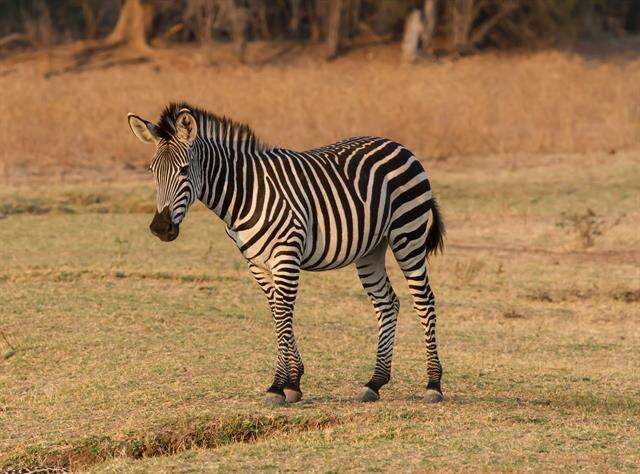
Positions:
(162, 226)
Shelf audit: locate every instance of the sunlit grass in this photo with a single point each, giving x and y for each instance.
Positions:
(124, 347)
(548, 101)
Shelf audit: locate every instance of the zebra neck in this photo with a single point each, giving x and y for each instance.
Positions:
(228, 180)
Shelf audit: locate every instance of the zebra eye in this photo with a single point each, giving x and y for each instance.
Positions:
(184, 170)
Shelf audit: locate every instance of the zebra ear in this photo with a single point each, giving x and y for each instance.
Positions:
(145, 131)
(186, 126)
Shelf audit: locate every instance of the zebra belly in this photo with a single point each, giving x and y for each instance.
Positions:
(335, 238)
(322, 253)
(328, 264)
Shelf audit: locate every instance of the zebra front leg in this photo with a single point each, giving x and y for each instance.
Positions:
(292, 390)
(281, 289)
(264, 278)
(289, 357)
(374, 279)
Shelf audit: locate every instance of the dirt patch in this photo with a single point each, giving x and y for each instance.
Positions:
(611, 256)
(68, 276)
(35, 207)
(72, 202)
(165, 439)
(628, 296)
(625, 295)
(512, 314)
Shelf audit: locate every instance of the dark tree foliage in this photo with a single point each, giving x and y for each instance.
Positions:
(486, 23)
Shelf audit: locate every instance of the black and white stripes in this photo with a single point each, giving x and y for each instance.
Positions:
(316, 210)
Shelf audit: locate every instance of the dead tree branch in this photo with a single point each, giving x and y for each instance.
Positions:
(481, 32)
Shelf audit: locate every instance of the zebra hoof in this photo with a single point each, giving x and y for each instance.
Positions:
(292, 396)
(433, 396)
(274, 399)
(368, 395)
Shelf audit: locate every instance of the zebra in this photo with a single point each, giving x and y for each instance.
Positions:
(315, 210)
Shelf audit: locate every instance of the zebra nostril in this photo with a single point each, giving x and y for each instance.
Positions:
(157, 228)
(161, 222)
(162, 227)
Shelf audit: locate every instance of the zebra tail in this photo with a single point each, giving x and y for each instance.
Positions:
(435, 235)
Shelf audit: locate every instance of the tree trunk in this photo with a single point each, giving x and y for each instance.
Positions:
(200, 14)
(353, 18)
(133, 25)
(263, 20)
(206, 28)
(506, 8)
(317, 15)
(334, 29)
(37, 24)
(462, 20)
(90, 19)
(413, 33)
(296, 17)
(418, 31)
(430, 13)
(240, 22)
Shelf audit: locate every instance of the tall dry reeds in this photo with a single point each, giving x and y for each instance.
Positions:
(543, 102)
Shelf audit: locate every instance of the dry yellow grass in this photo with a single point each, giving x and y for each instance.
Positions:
(126, 347)
(120, 347)
(539, 102)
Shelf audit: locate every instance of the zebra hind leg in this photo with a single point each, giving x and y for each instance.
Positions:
(374, 279)
(411, 257)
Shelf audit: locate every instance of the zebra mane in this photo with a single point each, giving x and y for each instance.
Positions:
(210, 125)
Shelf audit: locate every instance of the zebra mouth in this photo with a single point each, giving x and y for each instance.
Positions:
(172, 234)
(162, 226)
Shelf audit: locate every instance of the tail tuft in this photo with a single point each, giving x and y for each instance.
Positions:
(435, 235)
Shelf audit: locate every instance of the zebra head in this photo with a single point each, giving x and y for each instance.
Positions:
(174, 168)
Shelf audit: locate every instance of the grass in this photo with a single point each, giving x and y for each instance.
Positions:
(549, 101)
(167, 438)
(127, 354)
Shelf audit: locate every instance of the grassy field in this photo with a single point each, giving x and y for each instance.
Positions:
(548, 101)
(122, 353)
